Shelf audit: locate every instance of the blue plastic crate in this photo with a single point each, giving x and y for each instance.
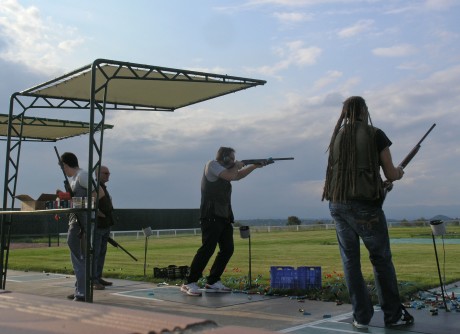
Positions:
(309, 277)
(282, 277)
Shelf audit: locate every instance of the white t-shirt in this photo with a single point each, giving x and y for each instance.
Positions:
(212, 170)
(79, 183)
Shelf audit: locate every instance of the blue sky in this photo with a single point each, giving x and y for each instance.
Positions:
(401, 56)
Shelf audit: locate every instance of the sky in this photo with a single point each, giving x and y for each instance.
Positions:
(402, 56)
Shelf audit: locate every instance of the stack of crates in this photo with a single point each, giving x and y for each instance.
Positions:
(303, 278)
(171, 272)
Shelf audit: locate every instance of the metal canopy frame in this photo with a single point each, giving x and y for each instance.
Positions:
(42, 129)
(98, 87)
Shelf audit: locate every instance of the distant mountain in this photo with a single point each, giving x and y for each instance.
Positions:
(308, 221)
(441, 217)
(279, 222)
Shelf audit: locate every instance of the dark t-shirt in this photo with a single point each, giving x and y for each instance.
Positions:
(382, 140)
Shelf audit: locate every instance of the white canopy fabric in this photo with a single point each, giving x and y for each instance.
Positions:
(117, 85)
(44, 129)
(141, 85)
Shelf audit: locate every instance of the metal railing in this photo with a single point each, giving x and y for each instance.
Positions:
(197, 231)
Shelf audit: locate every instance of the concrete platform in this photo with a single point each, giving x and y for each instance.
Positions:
(39, 301)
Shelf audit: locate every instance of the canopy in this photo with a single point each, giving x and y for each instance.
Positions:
(44, 129)
(136, 85)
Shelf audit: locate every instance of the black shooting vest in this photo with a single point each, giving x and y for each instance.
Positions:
(367, 185)
(105, 206)
(216, 199)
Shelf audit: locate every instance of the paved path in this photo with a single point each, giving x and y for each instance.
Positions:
(223, 311)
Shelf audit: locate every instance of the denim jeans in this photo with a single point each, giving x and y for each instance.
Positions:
(101, 237)
(213, 233)
(77, 256)
(355, 220)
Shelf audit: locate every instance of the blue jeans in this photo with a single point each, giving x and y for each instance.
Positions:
(101, 237)
(355, 220)
(77, 256)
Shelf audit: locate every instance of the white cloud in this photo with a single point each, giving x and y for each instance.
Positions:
(400, 50)
(33, 40)
(293, 54)
(331, 76)
(440, 4)
(358, 28)
(291, 17)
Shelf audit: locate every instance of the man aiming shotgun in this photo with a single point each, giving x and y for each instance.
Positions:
(216, 218)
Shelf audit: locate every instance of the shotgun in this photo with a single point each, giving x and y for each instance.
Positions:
(263, 161)
(117, 245)
(388, 185)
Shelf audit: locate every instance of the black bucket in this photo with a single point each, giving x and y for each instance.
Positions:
(244, 232)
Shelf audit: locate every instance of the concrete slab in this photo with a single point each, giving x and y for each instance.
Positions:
(23, 313)
(35, 277)
(212, 300)
(224, 311)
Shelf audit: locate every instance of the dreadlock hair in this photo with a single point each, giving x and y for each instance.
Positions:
(354, 110)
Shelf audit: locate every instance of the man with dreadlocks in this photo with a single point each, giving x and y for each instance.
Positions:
(354, 190)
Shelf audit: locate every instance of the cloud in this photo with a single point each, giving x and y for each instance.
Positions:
(331, 76)
(33, 40)
(401, 50)
(358, 28)
(293, 53)
(291, 17)
(440, 4)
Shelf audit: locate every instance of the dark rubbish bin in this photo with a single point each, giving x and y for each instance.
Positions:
(244, 232)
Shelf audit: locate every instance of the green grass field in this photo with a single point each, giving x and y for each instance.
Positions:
(415, 263)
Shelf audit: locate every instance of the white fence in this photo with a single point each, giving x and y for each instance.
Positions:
(197, 231)
(254, 229)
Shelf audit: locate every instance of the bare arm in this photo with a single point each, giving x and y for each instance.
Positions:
(237, 172)
(391, 172)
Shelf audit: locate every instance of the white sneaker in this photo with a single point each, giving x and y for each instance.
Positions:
(192, 289)
(217, 287)
(359, 326)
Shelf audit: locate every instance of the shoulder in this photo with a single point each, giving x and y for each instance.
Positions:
(382, 140)
(82, 174)
(213, 164)
(213, 169)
